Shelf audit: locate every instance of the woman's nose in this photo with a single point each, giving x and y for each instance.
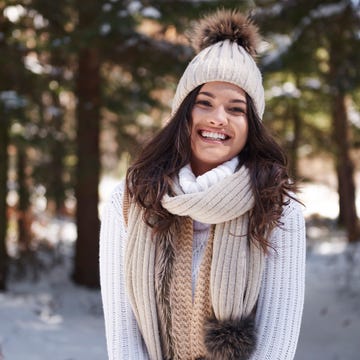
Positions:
(218, 116)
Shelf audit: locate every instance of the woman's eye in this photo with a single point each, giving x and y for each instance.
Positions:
(237, 110)
(203, 103)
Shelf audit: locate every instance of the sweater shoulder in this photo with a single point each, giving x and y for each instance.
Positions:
(292, 208)
(116, 197)
(291, 229)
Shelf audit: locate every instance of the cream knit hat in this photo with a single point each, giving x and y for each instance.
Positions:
(226, 42)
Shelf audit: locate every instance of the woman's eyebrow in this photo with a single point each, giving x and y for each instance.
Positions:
(238, 101)
(207, 94)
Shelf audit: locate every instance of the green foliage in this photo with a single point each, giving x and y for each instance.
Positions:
(301, 34)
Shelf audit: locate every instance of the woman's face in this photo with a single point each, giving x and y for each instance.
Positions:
(219, 126)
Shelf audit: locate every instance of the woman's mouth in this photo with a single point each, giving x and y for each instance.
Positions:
(210, 135)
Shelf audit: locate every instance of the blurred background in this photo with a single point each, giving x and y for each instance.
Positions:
(84, 83)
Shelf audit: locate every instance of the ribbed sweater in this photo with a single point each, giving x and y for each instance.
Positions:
(281, 297)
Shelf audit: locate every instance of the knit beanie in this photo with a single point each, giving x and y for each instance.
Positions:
(225, 43)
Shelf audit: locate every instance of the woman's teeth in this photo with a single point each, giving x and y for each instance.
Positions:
(212, 135)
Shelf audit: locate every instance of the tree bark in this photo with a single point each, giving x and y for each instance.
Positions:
(297, 127)
(338, 80)
(86, 271)
(4, 141)
(344, 167)
(57, 186)
(24, 220)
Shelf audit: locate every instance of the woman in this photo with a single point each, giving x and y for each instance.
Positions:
(202, 250)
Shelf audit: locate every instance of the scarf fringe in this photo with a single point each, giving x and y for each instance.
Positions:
(164, 263)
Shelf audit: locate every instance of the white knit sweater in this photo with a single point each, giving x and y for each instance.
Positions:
(280, 305)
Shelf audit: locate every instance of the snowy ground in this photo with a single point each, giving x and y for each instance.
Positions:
(51, 318)
(331, 322)
(54, 319)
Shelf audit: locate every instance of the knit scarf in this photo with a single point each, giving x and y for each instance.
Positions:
(218, 322)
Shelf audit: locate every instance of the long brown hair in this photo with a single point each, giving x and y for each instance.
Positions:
(150, 176)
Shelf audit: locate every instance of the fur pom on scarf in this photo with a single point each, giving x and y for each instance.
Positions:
(230, 339)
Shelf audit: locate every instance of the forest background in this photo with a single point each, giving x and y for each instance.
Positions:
(83, 84)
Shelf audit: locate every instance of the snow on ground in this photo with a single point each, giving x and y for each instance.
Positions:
(331, 321)
(54, 319)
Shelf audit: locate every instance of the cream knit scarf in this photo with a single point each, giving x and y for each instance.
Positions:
(215, 325)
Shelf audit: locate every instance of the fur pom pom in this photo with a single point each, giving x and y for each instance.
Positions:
(226, 24)
(229, 339)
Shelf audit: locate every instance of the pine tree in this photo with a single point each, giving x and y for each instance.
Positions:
(322, 42)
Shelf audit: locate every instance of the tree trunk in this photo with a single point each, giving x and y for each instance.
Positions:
(297, 125)
(4, 141)
(24, 221)
(344, 167)
(57, 186)
(297, 128)
(338, 81)
(86, 270)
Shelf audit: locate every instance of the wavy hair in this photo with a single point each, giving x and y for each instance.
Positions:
(150, 176)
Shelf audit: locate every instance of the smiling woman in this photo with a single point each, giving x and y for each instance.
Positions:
(202, 249)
